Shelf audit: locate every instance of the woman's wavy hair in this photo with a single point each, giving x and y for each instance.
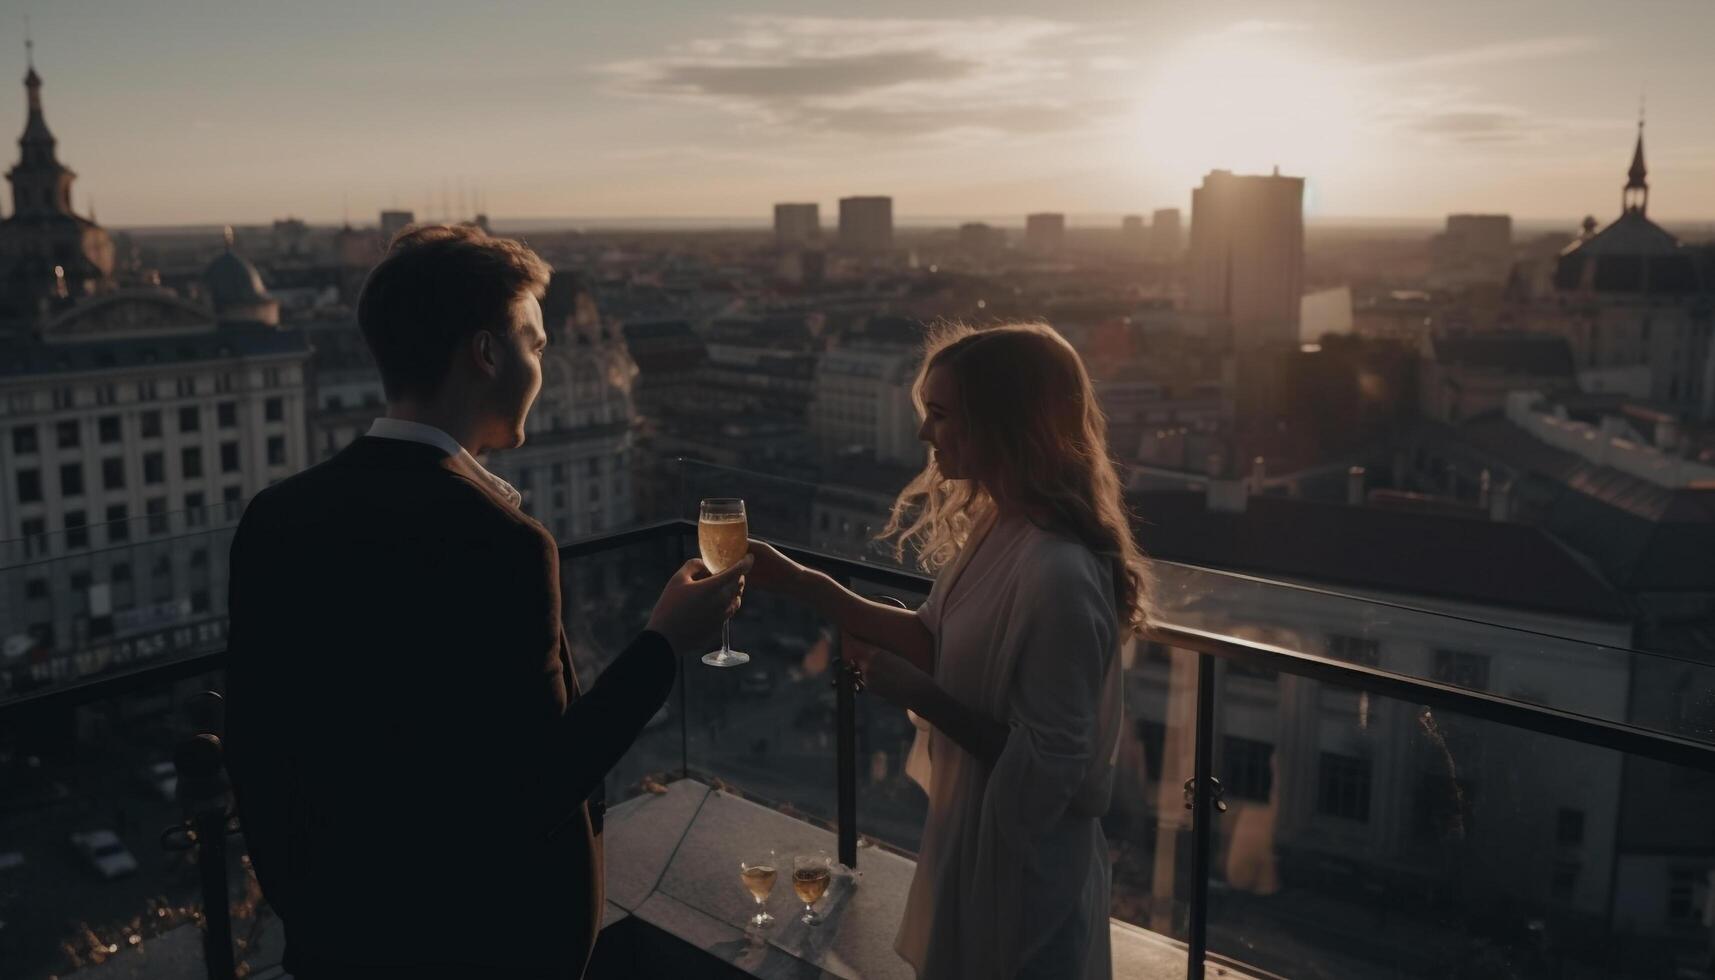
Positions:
(1036, 443)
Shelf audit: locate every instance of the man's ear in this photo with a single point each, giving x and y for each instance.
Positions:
(483, 350)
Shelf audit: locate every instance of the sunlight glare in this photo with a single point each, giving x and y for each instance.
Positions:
(1247, 102)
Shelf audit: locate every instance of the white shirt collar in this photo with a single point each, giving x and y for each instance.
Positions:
(402, 429)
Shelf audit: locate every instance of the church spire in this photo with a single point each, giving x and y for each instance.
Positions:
(40, 183)
(1636, 195)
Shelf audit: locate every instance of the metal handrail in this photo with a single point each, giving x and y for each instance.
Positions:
(1202, 798)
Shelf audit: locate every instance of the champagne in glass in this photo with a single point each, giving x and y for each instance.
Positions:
(723, 535)
(758, 875)
(810, 877)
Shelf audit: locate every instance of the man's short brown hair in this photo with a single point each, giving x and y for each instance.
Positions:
(437, 286)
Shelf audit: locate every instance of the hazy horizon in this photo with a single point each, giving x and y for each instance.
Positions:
(173, 114)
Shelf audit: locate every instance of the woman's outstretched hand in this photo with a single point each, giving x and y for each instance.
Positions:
(773, 571)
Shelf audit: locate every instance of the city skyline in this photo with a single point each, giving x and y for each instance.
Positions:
(705, 115)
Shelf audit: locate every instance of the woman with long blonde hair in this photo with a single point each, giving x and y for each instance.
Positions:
(1013, 660)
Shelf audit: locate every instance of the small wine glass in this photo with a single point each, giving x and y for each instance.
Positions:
(811, 874)
(758, 872)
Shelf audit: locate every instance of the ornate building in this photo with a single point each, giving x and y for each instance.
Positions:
(50, 256)
(1632, 300)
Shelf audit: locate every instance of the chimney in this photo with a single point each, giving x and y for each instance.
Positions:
(1501, 503)
(1222, 492)
(1355, 486)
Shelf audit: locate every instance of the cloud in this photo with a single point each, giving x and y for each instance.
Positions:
(1502, 124)
(877, 77)
(1532, 49)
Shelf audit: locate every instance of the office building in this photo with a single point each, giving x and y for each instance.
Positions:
(1247, 255)
(797, 224)
(1045, 234)
(866, 224)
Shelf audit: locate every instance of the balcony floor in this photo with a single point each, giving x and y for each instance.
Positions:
(672, 865)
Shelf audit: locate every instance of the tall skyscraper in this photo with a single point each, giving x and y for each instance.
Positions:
(1247, 255)
(1045, 233)
(866, 224)
(1166, 235)
(392, 223)
(979, 239)
(1475, 248)
(797, 224)
(1134, 237)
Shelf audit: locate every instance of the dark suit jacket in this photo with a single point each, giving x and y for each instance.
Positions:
(404, 732)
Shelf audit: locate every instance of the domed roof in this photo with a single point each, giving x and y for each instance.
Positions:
(232, 281)
(1632, 255)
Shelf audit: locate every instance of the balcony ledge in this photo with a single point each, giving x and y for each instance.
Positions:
(674, 902)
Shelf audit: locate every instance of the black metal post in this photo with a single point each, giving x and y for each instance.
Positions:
(845, 761)
(1202, 816)
(203, 794)
(684, 711)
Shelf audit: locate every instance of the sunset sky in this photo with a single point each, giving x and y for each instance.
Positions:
(179, 112)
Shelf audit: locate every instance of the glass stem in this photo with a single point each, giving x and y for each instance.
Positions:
(726, 636)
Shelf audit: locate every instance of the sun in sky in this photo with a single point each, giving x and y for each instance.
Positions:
(1248, 100)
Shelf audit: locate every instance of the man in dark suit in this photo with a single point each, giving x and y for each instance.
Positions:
(410, 751)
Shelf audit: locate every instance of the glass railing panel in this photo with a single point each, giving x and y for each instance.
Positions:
(1366, 836)
(1567, 662)
(608, 596)
(86, 876)
(113, 597)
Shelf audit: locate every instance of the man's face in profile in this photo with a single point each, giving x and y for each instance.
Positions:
(520, 378)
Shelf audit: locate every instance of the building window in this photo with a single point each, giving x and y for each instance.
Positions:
(118, 523)
(1564, 883)
(233, 498)
(79, 582)
(559, 500)
(1152, 735)
(190, 462)
(64, 398)
(1684, 903)
(151, 423)
(199, 557)
(36, 588)
(557, 473)
(146, 391)
(106, 394)
(227, 414)
(29, 486)
(190, 418)
(35, 532)
(1248, 774)
(68, 433)
(107, 428)
(1462, 669)
(156, 508)
(229, 457)
(199, 601)
(24, 440)
(121, 572)
(592, 467)
(274, 410)
(1354, 649)
(113, 473)
(154, 468)
(1344, 787)
(187, 387)
(1239, 668)
(194, 516)
(77, 530)
(71, 480)
(276, 450)
(1569, 829)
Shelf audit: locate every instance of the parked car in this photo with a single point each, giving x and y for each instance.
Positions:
(163, 778)
(104, 852)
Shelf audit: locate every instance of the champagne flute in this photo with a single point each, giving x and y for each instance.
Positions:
(810, 877)
(758, 873)
(723, 535)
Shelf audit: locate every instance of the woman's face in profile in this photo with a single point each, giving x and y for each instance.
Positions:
(943, 426)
